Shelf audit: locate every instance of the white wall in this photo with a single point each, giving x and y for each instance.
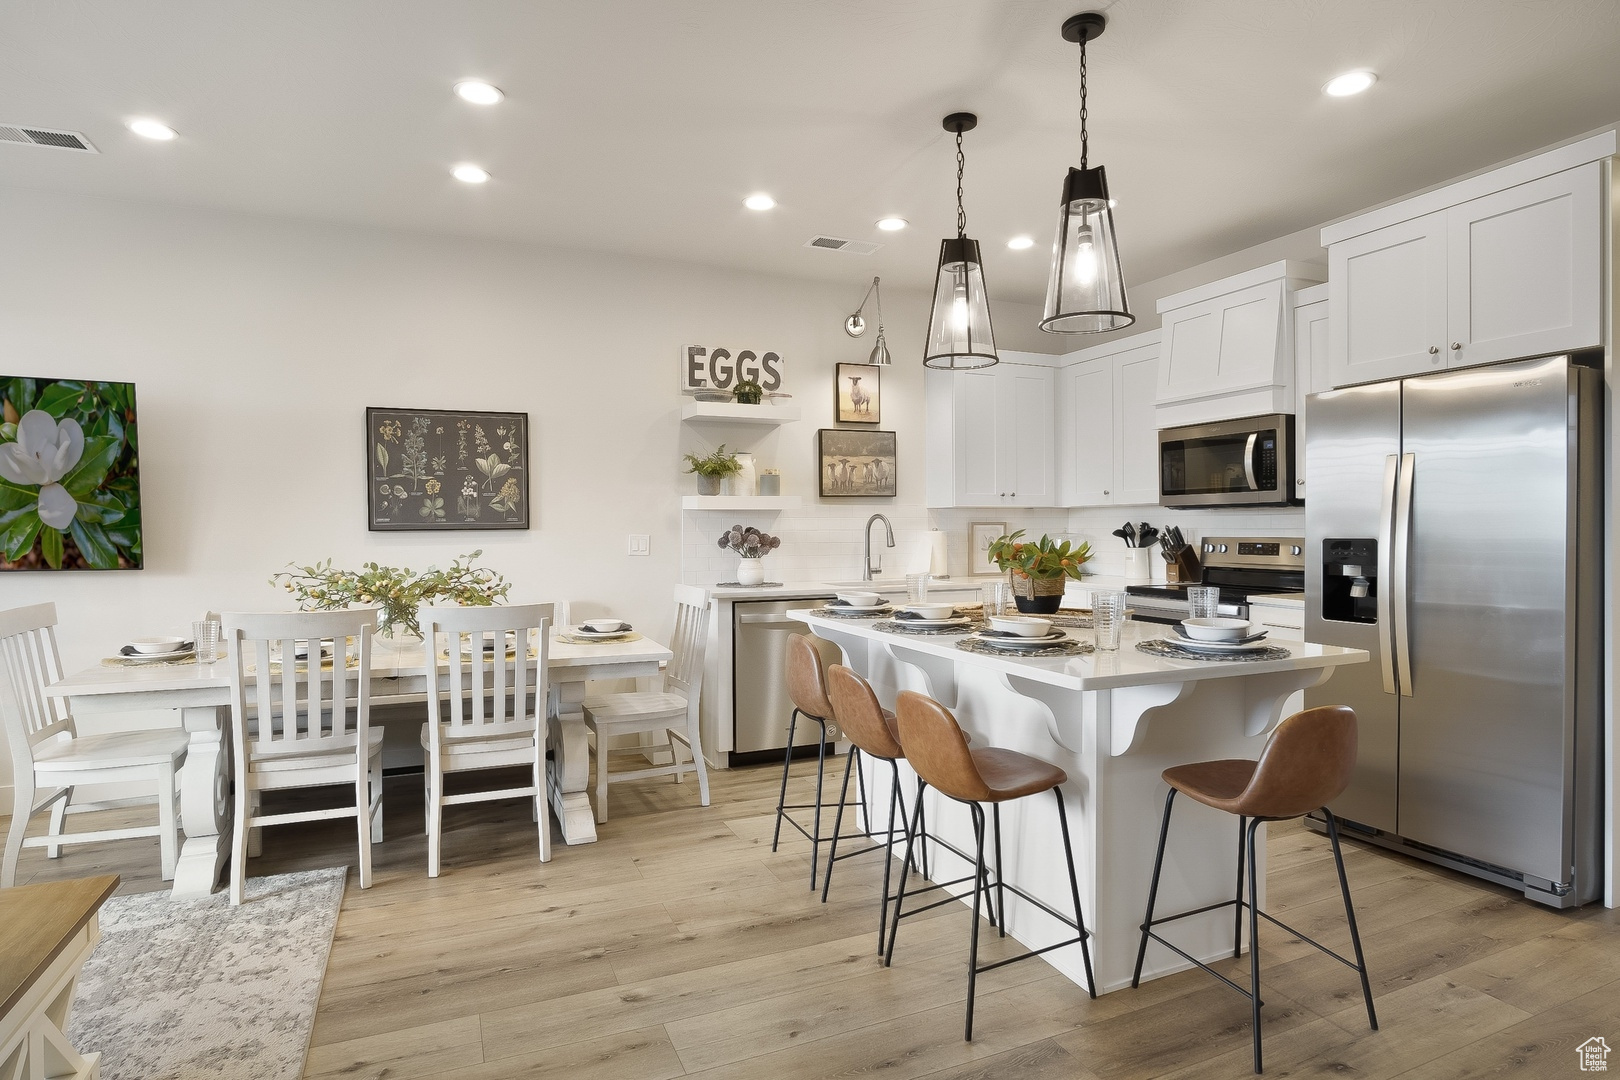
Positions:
(256, 344)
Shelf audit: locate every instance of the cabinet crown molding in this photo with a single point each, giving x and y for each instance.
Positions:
(1297, 274)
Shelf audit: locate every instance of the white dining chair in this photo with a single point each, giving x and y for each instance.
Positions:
(672, 712)
(496, 707)
(49, 757)
(302, 723)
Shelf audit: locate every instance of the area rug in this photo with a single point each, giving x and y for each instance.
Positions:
(187, 989)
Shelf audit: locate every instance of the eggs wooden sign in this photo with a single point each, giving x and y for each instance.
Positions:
(710, 367)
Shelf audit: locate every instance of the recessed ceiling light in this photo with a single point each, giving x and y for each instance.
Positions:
(892, 224)
(152, 129)
(478, 92)
(1019, 243)
(760, 201)
(469, 174)
(1351, 82)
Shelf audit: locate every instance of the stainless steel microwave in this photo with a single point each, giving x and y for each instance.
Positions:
(1248, 462)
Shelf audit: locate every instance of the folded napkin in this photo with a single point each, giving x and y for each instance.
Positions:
(914, 615)
(624, 629)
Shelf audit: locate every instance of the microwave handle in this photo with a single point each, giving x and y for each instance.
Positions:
(1248, 461)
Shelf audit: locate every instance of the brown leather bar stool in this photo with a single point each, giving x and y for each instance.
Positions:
(1306, 765)
(939, 752)
(871, 730)
(808, 658)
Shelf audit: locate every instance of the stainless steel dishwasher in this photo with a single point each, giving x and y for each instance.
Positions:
(760, 703)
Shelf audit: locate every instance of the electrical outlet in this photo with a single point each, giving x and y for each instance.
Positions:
(640, 544)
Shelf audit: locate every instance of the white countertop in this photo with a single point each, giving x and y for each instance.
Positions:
(1094, 671)
(798, 590)
(1279, 599)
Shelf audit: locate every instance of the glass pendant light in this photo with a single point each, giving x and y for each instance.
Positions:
(1085, 293)
(959, 335)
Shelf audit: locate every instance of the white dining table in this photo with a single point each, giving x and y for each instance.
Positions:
(201, 693)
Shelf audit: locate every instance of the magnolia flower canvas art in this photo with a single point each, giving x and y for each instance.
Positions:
(70, 495)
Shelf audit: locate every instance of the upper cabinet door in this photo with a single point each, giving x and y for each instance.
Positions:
(1027, 458)
(1221, 345)
(1136, 432)
(1526, 269)
(1387, 302)
(1086, 432)
(1311, 374)
(976, 449)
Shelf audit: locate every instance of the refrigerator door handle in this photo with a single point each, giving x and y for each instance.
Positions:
(1386, 578)
(1403, 566)
(1248, 461)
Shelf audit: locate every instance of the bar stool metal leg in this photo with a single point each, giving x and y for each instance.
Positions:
(1350, 916)
(973, 937)
(821, 771)
(838, 827)
(1254, 941)
(1001, 895)
(1074, 891)
(905, 868)
(1237, 900)
(787, 765)
(1153, 889)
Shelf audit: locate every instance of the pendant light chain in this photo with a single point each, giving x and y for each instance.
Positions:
(961, 164)
(1084, 159)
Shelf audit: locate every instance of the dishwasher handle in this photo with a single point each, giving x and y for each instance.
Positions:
(771, 622)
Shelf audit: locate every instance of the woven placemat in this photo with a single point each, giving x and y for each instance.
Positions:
(845, 613)
(1057, 648)
(1074, 622)
(130, 661)
(901, 626)
(747, 585)
(1161, 647)
(574, 639)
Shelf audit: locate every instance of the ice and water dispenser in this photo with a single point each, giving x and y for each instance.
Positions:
(1350, 580)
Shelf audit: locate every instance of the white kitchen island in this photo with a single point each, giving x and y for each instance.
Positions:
(1113, 722)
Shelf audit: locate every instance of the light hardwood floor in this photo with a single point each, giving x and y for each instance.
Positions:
(680, 945)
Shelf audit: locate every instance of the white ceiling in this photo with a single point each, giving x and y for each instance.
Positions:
(637, 126)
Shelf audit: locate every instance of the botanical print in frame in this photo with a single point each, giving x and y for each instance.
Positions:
(856, 463)
(858, 389)
(436, 469)
(70, 490)
(981, 534)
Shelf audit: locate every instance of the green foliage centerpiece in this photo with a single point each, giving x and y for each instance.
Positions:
(396, 591)
(1039, 569)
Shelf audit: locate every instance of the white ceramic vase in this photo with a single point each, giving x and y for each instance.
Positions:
(751, 571)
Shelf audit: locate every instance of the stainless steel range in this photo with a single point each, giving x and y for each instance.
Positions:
(1240, 566)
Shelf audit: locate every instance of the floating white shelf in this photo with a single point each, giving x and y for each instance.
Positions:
(740, 502)
(729, 412)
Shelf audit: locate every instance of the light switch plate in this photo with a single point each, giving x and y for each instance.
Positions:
(640, 544)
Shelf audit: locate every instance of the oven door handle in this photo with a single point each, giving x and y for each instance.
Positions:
(1248, 461)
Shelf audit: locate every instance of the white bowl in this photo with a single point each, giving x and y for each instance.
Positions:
(932, 611)
(603, 626)
(156, 644)
(1022, 625)
(1216, 629)
(861, 599)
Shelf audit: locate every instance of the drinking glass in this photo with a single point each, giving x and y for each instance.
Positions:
(917, 588)
(997, 595)
(1108, 617)
(205, 633)
(1203, 601)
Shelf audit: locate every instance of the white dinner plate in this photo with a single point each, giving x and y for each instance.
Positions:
(1023, 644)
(174, 654)
(858, 607)
(580, 631)
(936, 624)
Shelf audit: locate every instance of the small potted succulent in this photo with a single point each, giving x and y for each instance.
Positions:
(1039, 569)
(753, 546)
(712, 469)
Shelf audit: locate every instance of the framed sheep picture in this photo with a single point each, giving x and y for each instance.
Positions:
(855, 463)
(859, 390)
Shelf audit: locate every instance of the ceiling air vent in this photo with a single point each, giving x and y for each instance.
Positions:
(835, 243)
(59, 140)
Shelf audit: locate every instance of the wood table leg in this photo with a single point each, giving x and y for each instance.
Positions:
(568, 741)
(205, 801)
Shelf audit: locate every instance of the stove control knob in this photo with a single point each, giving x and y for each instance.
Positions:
(1296, 550)
(1209, 547)
(1223, 549)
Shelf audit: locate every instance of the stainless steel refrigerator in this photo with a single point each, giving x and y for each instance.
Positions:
(1453, 530)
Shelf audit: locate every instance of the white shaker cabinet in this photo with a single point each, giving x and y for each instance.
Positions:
(1108, 440)
(991, 435)
(1311, 374)
(1469, 274)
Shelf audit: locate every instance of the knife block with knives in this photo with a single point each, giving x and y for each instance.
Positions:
(1181, 560)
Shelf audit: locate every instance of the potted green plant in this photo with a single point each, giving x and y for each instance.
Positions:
(712, 469)
(1039, 569)
(749, 392)
(394, 591)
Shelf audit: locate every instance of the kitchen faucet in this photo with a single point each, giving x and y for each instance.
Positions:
(868, 570)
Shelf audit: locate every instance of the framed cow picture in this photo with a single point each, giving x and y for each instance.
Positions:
(855, 464)
(859, 392)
